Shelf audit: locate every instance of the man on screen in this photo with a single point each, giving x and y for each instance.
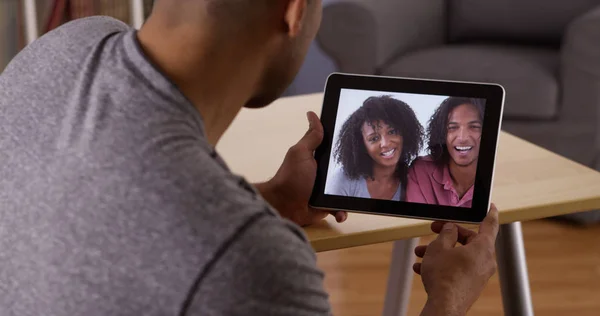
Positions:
(447, 175)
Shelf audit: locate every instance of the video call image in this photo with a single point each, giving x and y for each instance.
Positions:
(406, 147)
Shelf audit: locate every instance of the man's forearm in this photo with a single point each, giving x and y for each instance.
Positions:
(434, 308)
(263, 188)
(268, 193)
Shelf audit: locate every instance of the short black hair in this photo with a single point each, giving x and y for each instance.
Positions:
(438, 126)
(350, 150)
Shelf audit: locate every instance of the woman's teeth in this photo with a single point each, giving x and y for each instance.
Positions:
(388, 153)
(466, 148)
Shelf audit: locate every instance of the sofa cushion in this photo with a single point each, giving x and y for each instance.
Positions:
(529, 75)
(526, 20)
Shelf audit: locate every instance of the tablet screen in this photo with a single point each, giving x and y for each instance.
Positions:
(419, 148)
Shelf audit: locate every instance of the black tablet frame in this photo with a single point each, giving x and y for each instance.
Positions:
(494, 95)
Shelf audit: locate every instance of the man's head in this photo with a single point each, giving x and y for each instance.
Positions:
(272, 34)
(302, 19)
(455, 131)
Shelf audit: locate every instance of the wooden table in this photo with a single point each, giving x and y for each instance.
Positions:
(530, 183)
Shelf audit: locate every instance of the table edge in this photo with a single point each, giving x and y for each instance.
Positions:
(421, 229)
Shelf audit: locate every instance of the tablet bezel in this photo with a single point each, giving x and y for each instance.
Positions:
(494, 95)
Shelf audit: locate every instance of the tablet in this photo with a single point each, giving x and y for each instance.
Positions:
(407, 147)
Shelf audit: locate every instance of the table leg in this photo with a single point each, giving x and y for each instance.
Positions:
(512, 270)
(400, 277)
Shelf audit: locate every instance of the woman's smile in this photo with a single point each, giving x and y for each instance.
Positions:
(383, 143)
(389, 154)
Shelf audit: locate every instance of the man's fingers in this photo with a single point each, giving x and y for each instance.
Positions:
(447, 238)
(436, 227)
(420, 251)
(340, 216)
(489, 226)
(314, 136)
(417, 268)
(313, 216)
(464, 235)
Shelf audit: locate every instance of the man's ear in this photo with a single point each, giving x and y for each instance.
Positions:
(295, 14)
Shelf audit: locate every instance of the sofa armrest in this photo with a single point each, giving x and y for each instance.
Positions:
(581, 43)
(580, 73)
(364, 35)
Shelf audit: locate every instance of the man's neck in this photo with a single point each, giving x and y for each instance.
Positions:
(217, 76)
(463, 177)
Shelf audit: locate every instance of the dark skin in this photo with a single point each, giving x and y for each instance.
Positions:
(462, 179)
(383, 189)
(456, 275)
(290, 189)
(463, 132)
(380, 138)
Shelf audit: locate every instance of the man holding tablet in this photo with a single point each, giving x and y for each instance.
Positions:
(114, 202)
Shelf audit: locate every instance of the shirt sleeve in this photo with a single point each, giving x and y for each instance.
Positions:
(269, 269)
(414, 193)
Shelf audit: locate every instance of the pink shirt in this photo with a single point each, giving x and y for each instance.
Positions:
(430, 184)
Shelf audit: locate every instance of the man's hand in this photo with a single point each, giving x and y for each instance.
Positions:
(290, 189)
(454, 277)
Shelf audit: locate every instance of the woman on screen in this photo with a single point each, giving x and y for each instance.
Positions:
(375, 147)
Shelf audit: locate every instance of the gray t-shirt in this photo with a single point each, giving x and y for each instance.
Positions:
(113, 203)
(340, 184)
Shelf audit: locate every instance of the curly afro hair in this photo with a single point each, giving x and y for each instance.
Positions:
(438, 126)
(350, 150)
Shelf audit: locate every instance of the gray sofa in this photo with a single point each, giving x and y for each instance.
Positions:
(546, 53)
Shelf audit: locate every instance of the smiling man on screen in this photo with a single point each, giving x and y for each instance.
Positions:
(447, 175)
(113, 200)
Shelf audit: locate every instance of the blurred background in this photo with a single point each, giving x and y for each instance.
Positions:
(50, 14)
(546, 53)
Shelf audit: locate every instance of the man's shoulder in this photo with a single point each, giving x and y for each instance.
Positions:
(74, 38)
(195, 183)
(88, 29)
(427, 170)
(424, 162)
(63, 50)
(424, 166)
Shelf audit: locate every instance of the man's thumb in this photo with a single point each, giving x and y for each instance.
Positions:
(314, 136)
(448, 236)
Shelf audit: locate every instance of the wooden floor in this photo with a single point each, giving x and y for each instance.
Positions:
(563, 262)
